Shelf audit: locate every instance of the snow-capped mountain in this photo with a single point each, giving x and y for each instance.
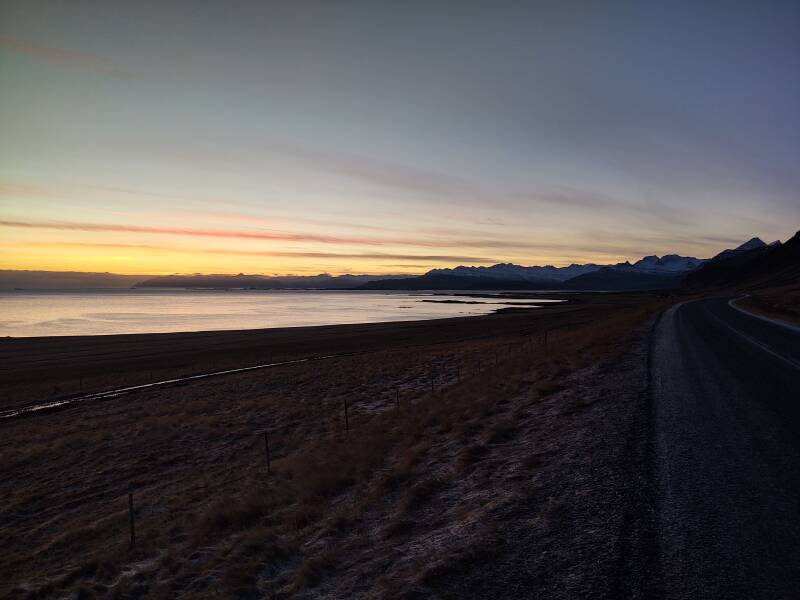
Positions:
(512, 272)
(669, 263)
(649, 272)
(751, 244)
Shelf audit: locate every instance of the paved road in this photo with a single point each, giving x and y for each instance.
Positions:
(726, 442)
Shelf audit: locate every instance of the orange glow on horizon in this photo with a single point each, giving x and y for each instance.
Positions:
(158, 261)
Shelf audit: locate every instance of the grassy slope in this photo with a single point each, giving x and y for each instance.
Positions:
(781, 302)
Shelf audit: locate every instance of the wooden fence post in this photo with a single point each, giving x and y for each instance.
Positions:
(133, 523)
(266, 449)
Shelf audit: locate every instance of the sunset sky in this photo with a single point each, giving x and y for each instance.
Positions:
(389, 137)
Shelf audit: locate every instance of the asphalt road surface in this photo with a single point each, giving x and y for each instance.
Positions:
(726, 446)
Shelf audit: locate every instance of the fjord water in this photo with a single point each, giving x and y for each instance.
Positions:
(105, 312)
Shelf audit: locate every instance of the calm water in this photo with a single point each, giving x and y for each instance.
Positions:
(24, 314)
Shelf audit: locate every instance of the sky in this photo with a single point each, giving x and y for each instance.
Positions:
(392, 137)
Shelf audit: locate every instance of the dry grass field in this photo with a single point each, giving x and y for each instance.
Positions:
(458, 434)
(781, 302)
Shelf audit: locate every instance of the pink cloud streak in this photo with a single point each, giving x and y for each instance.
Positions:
(280, 254)
(61, 56)
(225, 233)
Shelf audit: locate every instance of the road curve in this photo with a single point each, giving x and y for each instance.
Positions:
(726, 450)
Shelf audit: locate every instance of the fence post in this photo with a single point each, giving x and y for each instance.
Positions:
(346, 416)
(397, 398)
(133, 523)
(266, 449)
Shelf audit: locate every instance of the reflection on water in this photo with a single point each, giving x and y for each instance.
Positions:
(24, 314)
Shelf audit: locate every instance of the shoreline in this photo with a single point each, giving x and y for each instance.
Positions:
(40, 368)
(285, 314)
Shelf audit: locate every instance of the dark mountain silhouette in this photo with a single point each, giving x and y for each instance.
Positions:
(760, 265)
(264, 282)
(620, 279)
(605, 278)
(648, 273)
(437, 281)
(512, 272)
(64, 280)
(751, 244)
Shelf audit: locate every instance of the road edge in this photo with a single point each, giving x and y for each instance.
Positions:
(774, 320)
(639, 568)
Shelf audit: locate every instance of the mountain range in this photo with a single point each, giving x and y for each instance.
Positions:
(773, 266)
(64, 280)
(648, 273)
(754, 258)
(322, 281)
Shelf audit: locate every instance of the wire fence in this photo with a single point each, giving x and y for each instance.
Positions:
(440, 376)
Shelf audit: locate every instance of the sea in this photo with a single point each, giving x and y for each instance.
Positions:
(107, 312)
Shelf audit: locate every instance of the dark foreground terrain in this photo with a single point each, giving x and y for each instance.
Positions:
(614, 447)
